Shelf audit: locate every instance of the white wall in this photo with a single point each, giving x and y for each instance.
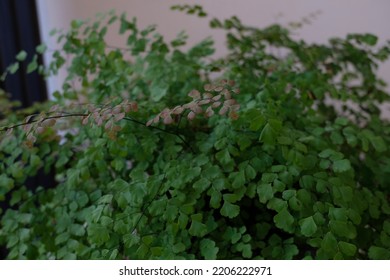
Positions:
(337, 18)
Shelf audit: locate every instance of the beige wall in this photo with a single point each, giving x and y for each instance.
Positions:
(338, 17)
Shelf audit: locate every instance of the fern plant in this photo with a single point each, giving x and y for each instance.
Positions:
(274, 151)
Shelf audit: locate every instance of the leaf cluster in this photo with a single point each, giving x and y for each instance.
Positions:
(141, 172)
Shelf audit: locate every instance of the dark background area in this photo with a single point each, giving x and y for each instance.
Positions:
(19, 30)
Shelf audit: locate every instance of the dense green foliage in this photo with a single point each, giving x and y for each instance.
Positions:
(287, 176)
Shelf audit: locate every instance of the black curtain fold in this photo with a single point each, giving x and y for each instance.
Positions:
(19, 30)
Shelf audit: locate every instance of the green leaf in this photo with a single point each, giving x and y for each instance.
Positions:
(276, 204)
(13, 67)
(21, 56)
(75, 24)
(41, 48)
(343, 229)
(201, 185)
(369, 39)
(378, 253)
(77, 230)
(307, 182)
(158, 91)
(230, 210)
(239, 180)
(105, 199)
(82, 199)
(178, 247)
(341, 165)
(267, 135)
(347, 249)
(386, 227)
(223, 157)
(284, 220)
(283, 140)
(197, 229)
(341, 121)
(329, 243)
(379, 144)
(250, 172)
(131, 239)
(257, 120)
(6, 182)
(215, 200)
(268, 177)
(336, 138)
(98, 234)
(208, 249)
(308, 226)
(265, 192)
(33, 65)
(246, 250)
(62, 238)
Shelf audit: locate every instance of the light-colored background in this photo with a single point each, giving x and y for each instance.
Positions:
(337, 18)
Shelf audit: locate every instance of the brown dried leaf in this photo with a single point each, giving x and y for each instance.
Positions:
(223, 110)
(233, 115)
(149, 122)
(231, 83)
(28, 118)
(229, 102)
(168, 120)
(134, 106)
(48, 122)
(29, 144)
(106, 115)
(209, 112)
(208, 87)
(116, 128)
(207, 95)
(53, 108)
(117, 109)
(31, 137)
(177, 110)
(191, 116)
(217, 97)
(85, 120)
(127, 108)
(235, 107)
(216, 104)
(90, 108)
(188, 105)
(197, 109)
(108, 125)
(40, 129)
(119, 117)
(204, 101)
(226, 94)
(99, 121)
(194, 94)
(165, 113)
(218, 89)
(112, 135)
(27, 128)
(236, 90)
(9, 131)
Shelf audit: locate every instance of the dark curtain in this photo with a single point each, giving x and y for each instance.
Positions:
(19, 30)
